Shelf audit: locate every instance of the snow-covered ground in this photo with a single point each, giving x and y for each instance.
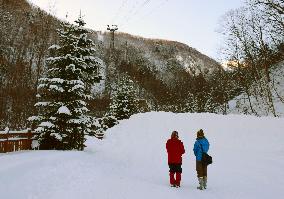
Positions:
(131, 163)
(258, 96)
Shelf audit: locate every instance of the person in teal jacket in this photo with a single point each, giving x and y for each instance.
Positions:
(201, 145)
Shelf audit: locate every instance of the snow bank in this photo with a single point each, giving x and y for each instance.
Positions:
(131, 162)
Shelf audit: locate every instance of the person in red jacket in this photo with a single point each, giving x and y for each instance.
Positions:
(175, 151)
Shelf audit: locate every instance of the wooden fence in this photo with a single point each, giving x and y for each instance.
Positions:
(16, 140)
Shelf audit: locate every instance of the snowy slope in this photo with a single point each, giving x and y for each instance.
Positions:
(259, 101)
(131, 163)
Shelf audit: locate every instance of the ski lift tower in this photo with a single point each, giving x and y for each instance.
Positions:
(112, 29)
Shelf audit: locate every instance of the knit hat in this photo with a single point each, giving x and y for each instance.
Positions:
(200, 133)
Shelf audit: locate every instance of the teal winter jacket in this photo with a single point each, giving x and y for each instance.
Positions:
(197, 147)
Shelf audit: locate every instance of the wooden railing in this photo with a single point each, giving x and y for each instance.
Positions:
(16, 140)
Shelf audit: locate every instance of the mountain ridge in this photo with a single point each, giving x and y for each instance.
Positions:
(164, 71)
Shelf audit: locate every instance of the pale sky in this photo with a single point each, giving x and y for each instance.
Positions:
(193, 22)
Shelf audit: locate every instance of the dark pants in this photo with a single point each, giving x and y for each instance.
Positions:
(201, 169)
(175, 168)
(175, 174)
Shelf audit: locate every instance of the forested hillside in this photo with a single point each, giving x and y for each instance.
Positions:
(25, 35)
(258, 100)
(254, 46)
(167, 75)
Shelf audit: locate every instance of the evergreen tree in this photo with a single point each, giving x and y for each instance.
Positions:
(63, 93)
(102, 124)
(123, 102)
(211, 105)
(191, 104)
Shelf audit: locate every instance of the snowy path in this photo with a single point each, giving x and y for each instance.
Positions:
(131, 162)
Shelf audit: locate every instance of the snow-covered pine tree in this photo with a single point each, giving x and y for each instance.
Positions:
(102, 124)
(123, 102)
(63, 93)
(123, 105)
(191, 104)
(210, 104)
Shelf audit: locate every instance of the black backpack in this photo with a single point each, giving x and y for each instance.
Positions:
(206, 159)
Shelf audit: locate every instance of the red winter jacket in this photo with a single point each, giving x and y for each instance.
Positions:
(175, 150)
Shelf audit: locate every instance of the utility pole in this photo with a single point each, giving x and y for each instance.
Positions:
(112, 29)
(110, 64)
(126, 52)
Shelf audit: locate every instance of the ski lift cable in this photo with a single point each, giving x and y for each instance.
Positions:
(127, 14)
(123, 4)
(148, 14)
(136, 11)
(144, 4)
